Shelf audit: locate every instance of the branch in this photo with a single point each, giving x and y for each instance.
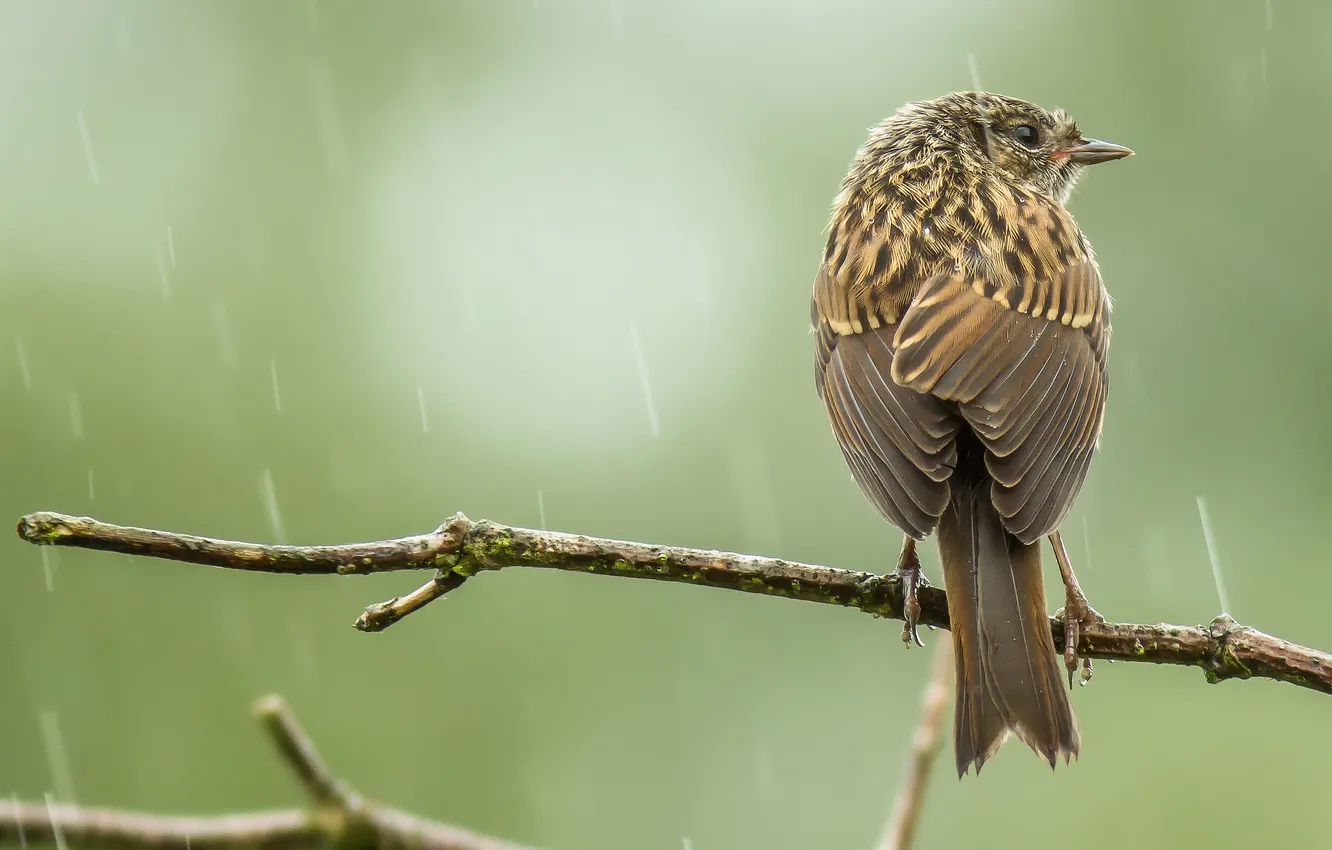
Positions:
(338, 817)
(461, 548)
(25, 824)
(925, 748)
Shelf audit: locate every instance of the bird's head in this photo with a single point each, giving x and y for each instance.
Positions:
(1014, 139)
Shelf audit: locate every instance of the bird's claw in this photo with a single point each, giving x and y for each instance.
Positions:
(1075, 614)
(908, 569)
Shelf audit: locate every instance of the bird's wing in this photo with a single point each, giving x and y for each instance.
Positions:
(898, 443)
(1018, 339)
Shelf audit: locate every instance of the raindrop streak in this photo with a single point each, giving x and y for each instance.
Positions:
(57, 831)
(687, 843)
(75, 415)
(162, 272)
(171, 247)
(88, 149)
(270, 503)
(643, 377)
(48, 569)
(92, 492)
(57, 759)
(224, 337)
(1262, 66)
(23, 362)
(974, 67)
(277, 396)
(23, 839)
(541, 510)
(1086, 542)
(420, 403)
(1267, 13)
(328, 116)
(1213, 557)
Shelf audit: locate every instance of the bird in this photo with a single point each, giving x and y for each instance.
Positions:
(962, 331)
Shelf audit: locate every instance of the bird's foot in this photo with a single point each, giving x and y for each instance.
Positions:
(1076, 614)
(908, 570)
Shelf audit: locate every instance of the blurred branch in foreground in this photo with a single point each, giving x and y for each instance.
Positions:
(925, 746)
(341, 818)
(461, 548)
(338, 816)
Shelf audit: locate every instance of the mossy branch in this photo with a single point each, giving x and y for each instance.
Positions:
(462, 548)
(338, 817)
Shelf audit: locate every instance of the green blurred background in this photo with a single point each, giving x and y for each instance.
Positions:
(324, 272)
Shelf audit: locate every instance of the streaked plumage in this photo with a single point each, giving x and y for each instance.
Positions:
(962, 332)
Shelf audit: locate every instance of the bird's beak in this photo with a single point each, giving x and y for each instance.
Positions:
(1092, 151)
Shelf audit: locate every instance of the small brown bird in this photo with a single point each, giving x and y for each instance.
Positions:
(962, 331)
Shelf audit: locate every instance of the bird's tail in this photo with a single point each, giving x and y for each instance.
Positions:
(1009, 677)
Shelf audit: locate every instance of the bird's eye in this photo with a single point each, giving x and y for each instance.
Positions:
(1027, 136)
